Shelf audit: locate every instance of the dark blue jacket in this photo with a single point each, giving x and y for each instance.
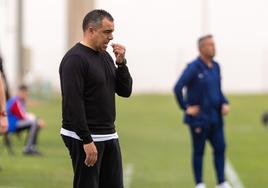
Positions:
(203, 88)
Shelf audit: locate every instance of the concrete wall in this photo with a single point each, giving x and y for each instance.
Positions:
(76, 12)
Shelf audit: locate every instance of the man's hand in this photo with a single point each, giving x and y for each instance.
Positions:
(225, 108)
(119, 52)
(193, 110)
(198, 130)
(3, 125)
(91, 154)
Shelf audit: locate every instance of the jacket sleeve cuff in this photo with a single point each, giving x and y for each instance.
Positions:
(225, 101)
(87, 140)
(122, 68)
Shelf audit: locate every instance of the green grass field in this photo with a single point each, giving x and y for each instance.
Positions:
(153, 140)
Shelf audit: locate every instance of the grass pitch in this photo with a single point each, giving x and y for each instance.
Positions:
(153, 139)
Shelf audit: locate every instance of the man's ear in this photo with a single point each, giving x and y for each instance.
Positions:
(90, 30)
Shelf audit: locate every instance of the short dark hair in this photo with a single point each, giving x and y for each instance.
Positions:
(23, 87)
(95, 17)
(201, 39)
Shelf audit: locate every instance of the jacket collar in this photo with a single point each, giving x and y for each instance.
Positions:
(201, 63)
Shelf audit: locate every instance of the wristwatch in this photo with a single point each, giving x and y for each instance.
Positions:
(122, 64)
(3, 113)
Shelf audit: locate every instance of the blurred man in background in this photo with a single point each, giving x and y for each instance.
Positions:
(19, 120)
(3, 114)
(4, 79)
(89, 81)
(204, 106)
(7, 141)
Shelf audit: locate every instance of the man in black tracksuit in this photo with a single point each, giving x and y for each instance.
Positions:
(89, 81)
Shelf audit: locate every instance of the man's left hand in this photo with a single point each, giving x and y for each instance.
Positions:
(225, 108)
(119, 52)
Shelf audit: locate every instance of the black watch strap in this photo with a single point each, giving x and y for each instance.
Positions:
(122, 64)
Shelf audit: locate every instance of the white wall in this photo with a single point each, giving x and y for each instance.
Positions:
(161, 38)
(45, 35)
(158, 36)
(242, 34)
(8, 39)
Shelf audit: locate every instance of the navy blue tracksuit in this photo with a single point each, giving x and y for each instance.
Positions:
(203, 88)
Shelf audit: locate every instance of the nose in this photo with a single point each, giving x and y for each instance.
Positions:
(111, 37)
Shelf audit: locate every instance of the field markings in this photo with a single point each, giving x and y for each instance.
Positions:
(128, 174)
(232, 175)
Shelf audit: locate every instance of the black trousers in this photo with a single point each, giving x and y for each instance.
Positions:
(106, 173)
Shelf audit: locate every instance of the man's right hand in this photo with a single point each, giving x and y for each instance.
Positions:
(91, 154)
(193, 110)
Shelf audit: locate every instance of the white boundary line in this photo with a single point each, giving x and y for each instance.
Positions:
(128, 173)
(232, 175)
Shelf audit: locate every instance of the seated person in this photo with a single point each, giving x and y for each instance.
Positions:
(20, 120)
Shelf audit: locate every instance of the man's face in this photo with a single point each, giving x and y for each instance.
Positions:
(207, 47)
(102, 35)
